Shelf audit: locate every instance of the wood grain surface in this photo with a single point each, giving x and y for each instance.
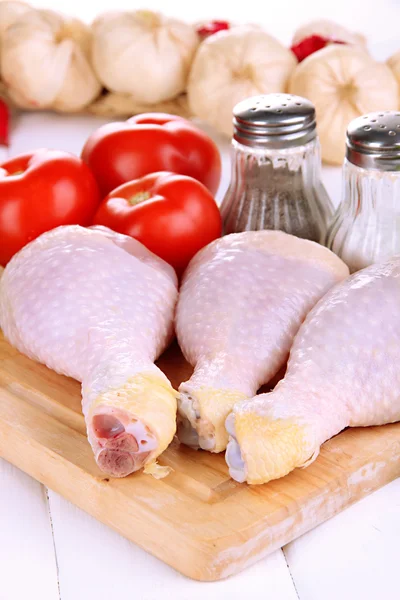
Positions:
(197, 519)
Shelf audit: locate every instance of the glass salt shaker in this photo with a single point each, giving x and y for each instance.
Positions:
(366, 225)
(276, 169)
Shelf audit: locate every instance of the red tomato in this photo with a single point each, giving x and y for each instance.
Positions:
(210, 27)
(39, 191)
(4, 124)
(173, 215)
(120, 152)
(311, 44)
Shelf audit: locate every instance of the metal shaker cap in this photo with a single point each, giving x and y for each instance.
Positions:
(274, 121)
(373, 141)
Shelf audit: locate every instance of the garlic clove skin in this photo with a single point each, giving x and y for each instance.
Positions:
(394, 65)
(233, 65)
(143, 53)
(343, 82)
(328, 29)
(45, 62)
(10, 11)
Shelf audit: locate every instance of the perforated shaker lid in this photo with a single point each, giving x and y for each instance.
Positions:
(373, 141)
(274, 121)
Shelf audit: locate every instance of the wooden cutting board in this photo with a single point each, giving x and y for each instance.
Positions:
(197, 519)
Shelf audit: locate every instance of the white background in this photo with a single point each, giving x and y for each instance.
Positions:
(378, 20)
(50, 549)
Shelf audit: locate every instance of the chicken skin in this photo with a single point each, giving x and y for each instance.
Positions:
(99, 307)
(242, 301)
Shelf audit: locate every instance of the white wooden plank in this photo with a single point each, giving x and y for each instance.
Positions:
(51, 130)
(27, 559)
(354, 555)
(96, 563)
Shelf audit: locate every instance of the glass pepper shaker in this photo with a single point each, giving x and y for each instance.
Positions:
(366, 225)
(276, 169)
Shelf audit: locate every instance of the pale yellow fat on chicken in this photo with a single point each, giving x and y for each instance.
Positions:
(148, 399)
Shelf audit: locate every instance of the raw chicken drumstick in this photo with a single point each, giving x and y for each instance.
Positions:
(98, 306)
(242, 301)
(343, 371)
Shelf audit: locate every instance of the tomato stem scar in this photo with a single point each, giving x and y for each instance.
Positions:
(139, 197)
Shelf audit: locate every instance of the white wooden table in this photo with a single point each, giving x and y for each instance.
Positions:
(50, 549)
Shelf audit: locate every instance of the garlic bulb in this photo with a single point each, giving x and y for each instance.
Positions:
(328, 29)
(394, 64)
(343, 82)
(233, 65)
(144, 54)
(10, 11)
(45, 62)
